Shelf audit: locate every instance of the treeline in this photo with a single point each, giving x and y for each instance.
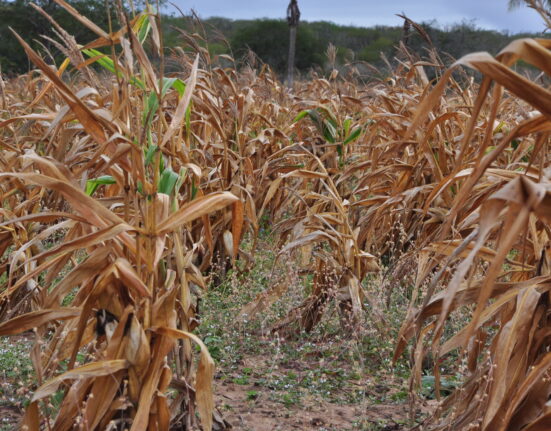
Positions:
(267, 38)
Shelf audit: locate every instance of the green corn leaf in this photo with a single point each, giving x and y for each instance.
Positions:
(150, 153)
(169, 178)
(93, 184)
(161, 164)
(188, 119)
(353, 136)
(301, 115)
(316, 118)
(329, 132)
(151, 103)
(179, 183)
(328, 115)
(143, 27)
(179, 86)
(102, 59)
(325, 126)
(346, 126)
(167, 84)
(332, 121)
(107, 63)
(151, 106)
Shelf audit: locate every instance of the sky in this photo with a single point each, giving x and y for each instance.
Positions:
(488, 14)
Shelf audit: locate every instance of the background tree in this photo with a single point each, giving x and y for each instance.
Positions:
(293, 18)
(27, 22)
(259, 36)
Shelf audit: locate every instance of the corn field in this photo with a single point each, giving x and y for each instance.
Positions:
(125, 189)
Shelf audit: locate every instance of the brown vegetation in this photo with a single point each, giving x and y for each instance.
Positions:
(120, 191)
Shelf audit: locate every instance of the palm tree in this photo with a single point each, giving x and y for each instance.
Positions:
(293, 17)
(543, 7)
(517, 3)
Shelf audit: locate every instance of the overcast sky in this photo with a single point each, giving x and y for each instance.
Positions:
(491, 14)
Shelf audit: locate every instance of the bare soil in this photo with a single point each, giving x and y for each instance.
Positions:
(262, 414)
(255, 406)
